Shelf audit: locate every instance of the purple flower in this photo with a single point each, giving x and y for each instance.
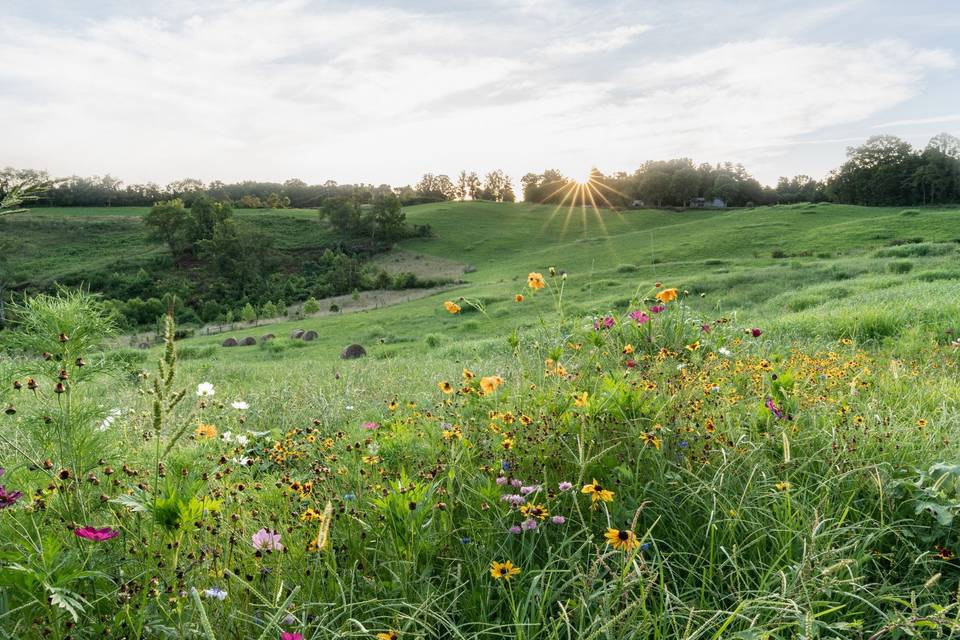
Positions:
(657, 308)
(529, 524)
(558, 519)
(603, 323)
(529, 489)
(515, 530)
(705, 328)
(501, 480)
(8, 498)
(565, 486)
(513, 499)
(264, 540)
(774, 409)
(370, 426)
(639, 316)
(97, 535)
(516, 484)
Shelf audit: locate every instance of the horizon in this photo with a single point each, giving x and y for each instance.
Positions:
(380, 94)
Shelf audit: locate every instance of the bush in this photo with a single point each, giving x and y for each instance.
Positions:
(909, 213)
(627, 268)
(900, 266)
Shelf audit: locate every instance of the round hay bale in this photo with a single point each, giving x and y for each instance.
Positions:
(248, 341)
(353, 351)
(230, 342)
(267, 338)
(309, 336)
(296, 334)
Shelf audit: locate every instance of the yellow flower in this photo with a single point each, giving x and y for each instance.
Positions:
(694, 347)
(622, 539)
(580, 399)
(451, 306)
(322, 541)
(467, 374)
(518, 297)
(782, 486)
(538, 511)
(667, 295)
(489, 384)
(597, 492)
(393, 405)
(205, 432)
(628, 349)
(504, 570)
(445, 386)
(650, 439)
(388, 635)
(535, 280)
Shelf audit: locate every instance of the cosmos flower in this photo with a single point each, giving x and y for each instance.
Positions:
(205, 431)
(97, 535)
(657, 308)
(622, 539)
(503, 570)
(774, 409)
(264, 540)
(452, 307)
(8, 498)
(240, 405)
(205, 390)
(289, 635)
(535, 280)
(370, 426)
(639, 316)
(489, 384)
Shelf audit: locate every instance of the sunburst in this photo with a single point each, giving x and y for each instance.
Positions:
(587, 194)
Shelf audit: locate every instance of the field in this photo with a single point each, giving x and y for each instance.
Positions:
(697, 424)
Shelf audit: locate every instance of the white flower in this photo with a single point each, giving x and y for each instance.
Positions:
(681, 367)
(242, 440)
(215, 592)
(110, 419)
(226, 436)
(349, 407)
(240, 405)
(205, 389)
(724, 352)
(242, 461)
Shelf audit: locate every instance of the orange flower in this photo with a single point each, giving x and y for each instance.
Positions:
(535, 280)
(452, 307)
(489, 384)
(518, 297)
(445, 386)
(205, 432)
(667, 295)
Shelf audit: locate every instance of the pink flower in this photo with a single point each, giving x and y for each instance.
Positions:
(264, 540)
(370, 426)
(288, 635)
(558, 519)
(639, 316)
(97, 535)
(657, 308)
(565, 486)
(501, 480)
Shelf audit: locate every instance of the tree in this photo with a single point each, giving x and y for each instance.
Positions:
(389, 218)
(170, 222)
(473, 185)
(495, 186)
(684, 185)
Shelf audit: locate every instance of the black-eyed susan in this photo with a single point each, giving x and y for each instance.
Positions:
(596, 492)
(518, 297)
(503, 570)
(467, 374)
(581, 399)
(538, 511)
(782, 486)
(388, 635)
(489, 384)
(622, 539)
(446, 387)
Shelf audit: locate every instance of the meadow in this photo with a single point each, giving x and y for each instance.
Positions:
(645, 424)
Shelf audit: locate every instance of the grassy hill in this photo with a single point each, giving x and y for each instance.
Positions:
(769, 454)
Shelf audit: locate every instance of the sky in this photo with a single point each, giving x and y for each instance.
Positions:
(381, 92)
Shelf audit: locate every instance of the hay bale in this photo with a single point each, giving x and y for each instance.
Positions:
(267, 338)
(296, 334)
(248, 341)
(310, 336)
(353, 351)
(230, 342)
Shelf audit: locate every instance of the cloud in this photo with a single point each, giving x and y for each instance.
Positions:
(953, 117)
(600, 41)
(278, 90)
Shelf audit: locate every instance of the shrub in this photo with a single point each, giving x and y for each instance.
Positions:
(900, 266)
(909, 213)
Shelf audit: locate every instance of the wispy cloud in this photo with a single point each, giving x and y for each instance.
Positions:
(599, 41)
(954, 117)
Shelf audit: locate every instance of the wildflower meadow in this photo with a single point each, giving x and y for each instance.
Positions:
(654, 471)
